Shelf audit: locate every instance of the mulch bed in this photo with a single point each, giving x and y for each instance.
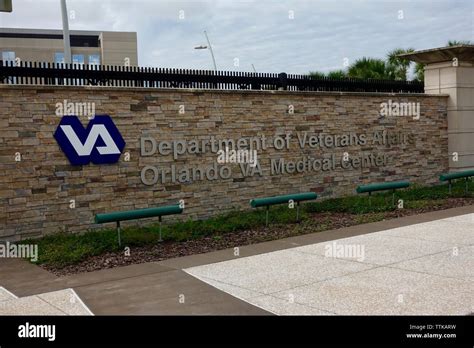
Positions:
(170, 249)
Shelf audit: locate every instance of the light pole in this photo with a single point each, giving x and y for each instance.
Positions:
(209, 46)
(66, 39)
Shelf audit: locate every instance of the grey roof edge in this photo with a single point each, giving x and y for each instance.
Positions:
(441, 54)
(58, 31)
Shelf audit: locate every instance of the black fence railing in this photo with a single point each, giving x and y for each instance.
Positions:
(32, 73)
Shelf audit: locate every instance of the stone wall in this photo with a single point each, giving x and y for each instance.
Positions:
(36, 192)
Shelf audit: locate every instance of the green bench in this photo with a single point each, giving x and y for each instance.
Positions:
(119, 216)
(269, 201)
(383, 186)
(457, 175)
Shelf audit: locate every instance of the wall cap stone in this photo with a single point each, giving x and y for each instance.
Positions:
(223, 91)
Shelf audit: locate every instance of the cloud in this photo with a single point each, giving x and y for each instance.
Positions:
(319, 37)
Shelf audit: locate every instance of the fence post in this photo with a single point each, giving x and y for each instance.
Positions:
(283, 81)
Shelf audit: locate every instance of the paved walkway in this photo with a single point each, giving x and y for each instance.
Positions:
(142, 289)
(62, 302)
(421, 269)
(420, 264)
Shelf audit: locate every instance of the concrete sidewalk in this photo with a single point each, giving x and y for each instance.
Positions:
(405, 270)
(142, 289)
(421, 269)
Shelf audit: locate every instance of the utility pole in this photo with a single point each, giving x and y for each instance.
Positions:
(66, 38)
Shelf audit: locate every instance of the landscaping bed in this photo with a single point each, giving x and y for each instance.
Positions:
(64, 254)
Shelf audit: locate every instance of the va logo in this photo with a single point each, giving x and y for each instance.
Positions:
(99, 143)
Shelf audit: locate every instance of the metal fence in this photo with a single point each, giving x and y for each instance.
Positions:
(33, 73)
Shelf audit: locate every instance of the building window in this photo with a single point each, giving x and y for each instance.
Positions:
(8, 56)
(94, 59)
(78, 59)
(59, 57)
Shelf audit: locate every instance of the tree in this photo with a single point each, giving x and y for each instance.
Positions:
(337, 74)
(317, 74)
(371, 68)
(394, 68)
(399, 64)
(456, 43)
(420, 72)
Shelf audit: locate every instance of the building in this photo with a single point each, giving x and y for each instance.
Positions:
(87, 47)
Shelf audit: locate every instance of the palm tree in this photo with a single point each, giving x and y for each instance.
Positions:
(420, 72)
(337, 74)
(400, 65)
(395, 68)
(317, 74)
(456, 43)
(371, 68)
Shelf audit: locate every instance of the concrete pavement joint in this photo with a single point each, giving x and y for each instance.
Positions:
(50, 304)
(80, 301)
(115, 279)
(8, 292)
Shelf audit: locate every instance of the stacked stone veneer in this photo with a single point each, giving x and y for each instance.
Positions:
(35, 193)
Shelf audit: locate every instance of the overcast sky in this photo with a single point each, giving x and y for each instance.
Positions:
(320, 34)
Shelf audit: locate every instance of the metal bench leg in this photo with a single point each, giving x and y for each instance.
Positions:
(160, 240)
(298, 211)
(266, 216)
(118, 233)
